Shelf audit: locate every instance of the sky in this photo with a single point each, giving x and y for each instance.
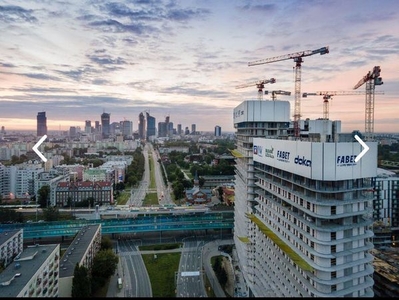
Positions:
(184, 59)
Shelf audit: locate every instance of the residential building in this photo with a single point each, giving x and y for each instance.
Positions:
(81, 251)
(50, 179)
(96, 174)
(252, 118)
(213, 181)
(34, 273)
(23, 178)
(303, 208)
(5, 183)
(11, 245)
(313, 218)
(386, 204)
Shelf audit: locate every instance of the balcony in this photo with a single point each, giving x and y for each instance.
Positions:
(283, 246)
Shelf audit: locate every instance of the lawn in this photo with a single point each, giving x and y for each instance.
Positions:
(162, 270)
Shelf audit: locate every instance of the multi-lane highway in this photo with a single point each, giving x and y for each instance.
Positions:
(137, 195)
(195, 264)
(134, 273)
(162, 190)
(190, 276)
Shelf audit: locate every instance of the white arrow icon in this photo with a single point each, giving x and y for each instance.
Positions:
(366, 148)
(34, 148)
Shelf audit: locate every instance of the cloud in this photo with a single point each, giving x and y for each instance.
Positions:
(40, 76)
(16, 14)
(107, 60)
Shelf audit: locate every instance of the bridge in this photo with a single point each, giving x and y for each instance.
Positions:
(139, 223)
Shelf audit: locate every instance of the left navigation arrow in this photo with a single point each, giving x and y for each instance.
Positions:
(34, 148)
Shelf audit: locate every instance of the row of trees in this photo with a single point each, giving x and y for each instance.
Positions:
(135, 170)
(86, 282)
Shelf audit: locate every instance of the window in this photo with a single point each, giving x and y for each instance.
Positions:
(333, 261)
(333, 210)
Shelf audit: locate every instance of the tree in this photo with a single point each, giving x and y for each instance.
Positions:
(8, 215)
(91, 201)
(104, 263)
(106, 243)
(81, 286)
(43, 194)
(51, 213)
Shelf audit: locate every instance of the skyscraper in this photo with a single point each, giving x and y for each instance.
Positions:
(141, 126)
(88, 126)
(302, 207)
(218, 130)
(41, 123)
(105, 124)
(179, 129)
(193, 128)
(127, 128)
(97, 127)
(151, 129)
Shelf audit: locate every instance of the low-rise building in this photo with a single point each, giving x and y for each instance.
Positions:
(70, 193)
(81, 251)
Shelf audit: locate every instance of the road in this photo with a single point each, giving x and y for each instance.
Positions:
(137, 195)
(136, 282)
(195, 259)
(190, 276)
(162, 190)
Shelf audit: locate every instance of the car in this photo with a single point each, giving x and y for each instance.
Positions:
(17, 275)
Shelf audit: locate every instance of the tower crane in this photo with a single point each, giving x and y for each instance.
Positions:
(372, 78)
(327, 95)
(259, 85)
(297, 57)
(279, 92)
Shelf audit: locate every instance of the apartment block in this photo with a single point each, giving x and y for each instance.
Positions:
(81, 251)
(11, 245)
(33, 273)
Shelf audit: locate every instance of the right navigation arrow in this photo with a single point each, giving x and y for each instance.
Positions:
(366, 148)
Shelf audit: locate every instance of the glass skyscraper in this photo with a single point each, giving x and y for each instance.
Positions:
(41, 123)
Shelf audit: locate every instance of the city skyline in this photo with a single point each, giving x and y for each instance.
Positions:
(184, 59)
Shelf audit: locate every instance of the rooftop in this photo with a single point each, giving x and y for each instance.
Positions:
(30, 260)
(6, 235)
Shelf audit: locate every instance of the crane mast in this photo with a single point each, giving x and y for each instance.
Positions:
(372, 78)
(297, 57)
(259, 85)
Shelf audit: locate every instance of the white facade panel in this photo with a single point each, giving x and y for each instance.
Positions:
(317, 168)
(302, 158)
(329, 156)
(258, 111)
